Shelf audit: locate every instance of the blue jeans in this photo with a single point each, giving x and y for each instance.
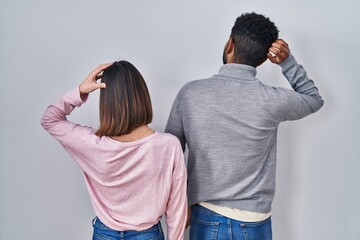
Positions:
(102, 232)
(208, 225)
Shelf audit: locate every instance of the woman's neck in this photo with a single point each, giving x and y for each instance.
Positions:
(136, 134)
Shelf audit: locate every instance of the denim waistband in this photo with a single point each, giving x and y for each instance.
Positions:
(97, 222)
(209, 214)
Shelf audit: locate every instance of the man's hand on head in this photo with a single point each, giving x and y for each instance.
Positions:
(279, 51)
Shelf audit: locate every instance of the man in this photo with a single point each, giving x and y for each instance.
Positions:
(229, 123)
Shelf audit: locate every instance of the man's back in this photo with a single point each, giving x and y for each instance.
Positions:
(229, 122)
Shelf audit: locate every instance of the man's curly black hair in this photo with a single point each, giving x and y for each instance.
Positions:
(253, 35)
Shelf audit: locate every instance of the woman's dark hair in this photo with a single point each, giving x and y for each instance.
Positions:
(125, 102)
(253, 35)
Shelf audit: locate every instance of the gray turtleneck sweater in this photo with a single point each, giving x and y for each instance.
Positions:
(229, 123)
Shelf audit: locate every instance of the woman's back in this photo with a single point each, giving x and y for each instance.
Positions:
(131, 184)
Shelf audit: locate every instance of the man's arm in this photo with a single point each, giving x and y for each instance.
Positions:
(175, 122)
(305, 99)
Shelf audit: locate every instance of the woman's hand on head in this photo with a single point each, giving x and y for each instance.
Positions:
(90, 83)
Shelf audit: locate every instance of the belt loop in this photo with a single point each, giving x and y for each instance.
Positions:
(159, 227)
(94, 220)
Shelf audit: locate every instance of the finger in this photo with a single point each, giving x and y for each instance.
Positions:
(274, 50)
(98, 77)
(277, 57)
(276, 45)
(280, 47)
(100, 68)
(272, 57)
(97, 86)
(278, 52)
(281, 41)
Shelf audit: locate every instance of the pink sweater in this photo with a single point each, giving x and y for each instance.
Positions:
(131, 185)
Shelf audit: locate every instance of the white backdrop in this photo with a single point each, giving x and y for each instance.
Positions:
(48, 47)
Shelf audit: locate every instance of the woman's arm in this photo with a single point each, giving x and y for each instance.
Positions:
(176, 210)
(54, 119)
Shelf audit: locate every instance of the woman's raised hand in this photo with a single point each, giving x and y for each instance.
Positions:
(90, 83)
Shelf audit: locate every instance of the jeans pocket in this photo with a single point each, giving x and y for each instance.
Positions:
(257, 230)
(203, 230)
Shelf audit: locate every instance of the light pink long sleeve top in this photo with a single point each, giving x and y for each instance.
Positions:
(131, 185)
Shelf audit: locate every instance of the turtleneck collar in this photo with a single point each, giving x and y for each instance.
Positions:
(237, 71)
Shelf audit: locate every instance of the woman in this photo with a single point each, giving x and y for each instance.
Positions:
(133, 174)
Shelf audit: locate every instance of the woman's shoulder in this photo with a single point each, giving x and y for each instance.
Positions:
(168, 138)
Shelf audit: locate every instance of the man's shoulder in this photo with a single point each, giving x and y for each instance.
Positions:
(198, 84)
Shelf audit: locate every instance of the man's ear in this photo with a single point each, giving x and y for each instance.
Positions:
(230, 46)
(230, 50)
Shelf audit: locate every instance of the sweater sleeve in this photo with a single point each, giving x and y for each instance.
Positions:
(55, 123)
(176, 210)
(175, 122)
(304, 100)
